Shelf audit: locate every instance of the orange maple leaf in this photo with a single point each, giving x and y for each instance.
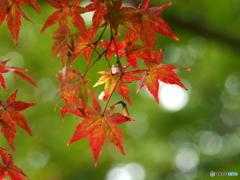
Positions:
(116, 80)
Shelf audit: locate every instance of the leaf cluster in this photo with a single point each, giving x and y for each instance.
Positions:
(121, 53)
(140, 23)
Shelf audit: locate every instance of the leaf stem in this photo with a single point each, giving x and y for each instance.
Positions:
(118, 59)
(94, 50)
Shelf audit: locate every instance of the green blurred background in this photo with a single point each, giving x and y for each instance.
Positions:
(185, 137)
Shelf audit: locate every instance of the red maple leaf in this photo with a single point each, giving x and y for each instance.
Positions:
(119, 15)
(156, 73)
(147, 22)
(99, 8)
(32, 3)
(9, 116)
(132, 52)
(151, 58)
(12, 12)
(125, 49)
(66, 10)
(111, 49)
(15, 71)
(98, 127)
(3, 153)
(9, 169)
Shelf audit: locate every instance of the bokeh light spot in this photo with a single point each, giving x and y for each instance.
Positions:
(231, 145)
(173, 97)
(187, 159)
(27, 37)
(232, 84)
(130, 171)
(210, 143)
(16, 59)
(197, 46)
(230, 117)
(38, 157)
(46, 90)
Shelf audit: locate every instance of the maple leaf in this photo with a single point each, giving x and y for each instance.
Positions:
(156, 73)
(131, 36)
(125, 49)
(66, 10)
(74, 90)
(99, 8)
(3, 153)
(61, 45)
(8, 130)
(84, 44)
(3, 10)
(119, 15)
(32, 3)
(12, 12)
(9, 169)
(116, 80)
(151, 58)
(132, 52)
(98, 127)
(111, 49)
(147, 22)
(15, 71)
(9, 116)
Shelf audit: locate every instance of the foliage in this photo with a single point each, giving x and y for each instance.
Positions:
(141, 23)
